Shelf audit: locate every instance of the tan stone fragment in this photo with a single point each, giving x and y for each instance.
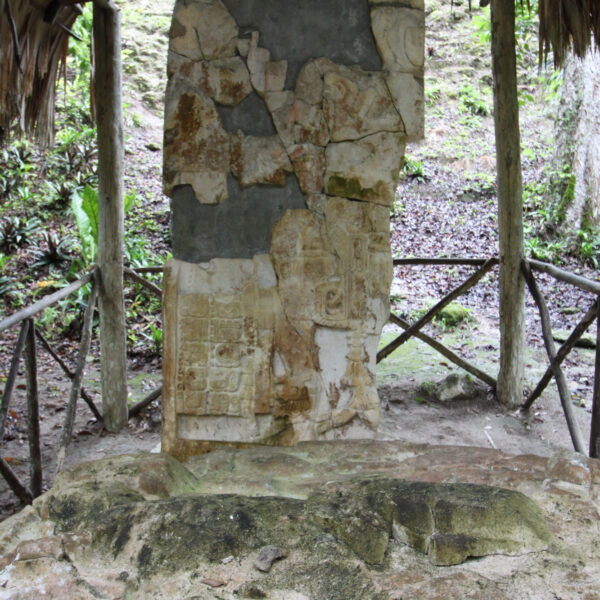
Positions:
(316, 203)
(203, 29)
(257, 160)
(196, 148)
(243, 45)
(225, 80)
(278, 100)
(366, 169)
(357, 103)
(257, 61)
(400, 37)
(309, 166)
(210, 187)
(228, 81)
(275, 73)
(309, 83)
(409, 97)
(298, 123)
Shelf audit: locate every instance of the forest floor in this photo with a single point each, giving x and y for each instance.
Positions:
(446, 206)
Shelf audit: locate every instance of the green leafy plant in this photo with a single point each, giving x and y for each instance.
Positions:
(470, 100)
(413, 169)
(7, 283)
(16, 232)
(157, 337)
(589, 245)
(55, 251)
(84, 207)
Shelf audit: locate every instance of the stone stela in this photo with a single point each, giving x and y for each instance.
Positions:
(285, 127)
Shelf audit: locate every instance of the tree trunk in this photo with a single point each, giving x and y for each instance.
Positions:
(510, 206)
(109, 119)
(574, 190)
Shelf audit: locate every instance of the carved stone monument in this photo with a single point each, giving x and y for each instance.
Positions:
(285, 127)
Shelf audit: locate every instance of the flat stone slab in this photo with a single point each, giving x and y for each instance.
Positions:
(368, 520)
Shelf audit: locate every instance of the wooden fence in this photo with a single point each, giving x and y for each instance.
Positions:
(26, 343)
(556, 357)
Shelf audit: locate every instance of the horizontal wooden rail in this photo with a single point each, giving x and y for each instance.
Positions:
(475, 262)
(581, 282)
(44, 303)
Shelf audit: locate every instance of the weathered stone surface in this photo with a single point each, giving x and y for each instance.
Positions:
(332, 272)
(309, 84)
(400, 37)
(448, 522)
(220, 322)
(357, 103)
(225, 80)
(298, 122)
(267, 555)
(456, 387)
(570, 467)
(309, 166)
(259, 160)
(365, 169)
(257, 60)
(366, 534)
(196, 147)
(203, 29)
(408, 95)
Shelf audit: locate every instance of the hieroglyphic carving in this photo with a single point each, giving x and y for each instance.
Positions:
(222, 367)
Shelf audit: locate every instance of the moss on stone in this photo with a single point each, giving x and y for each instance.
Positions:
(453, 314)
(347, 187)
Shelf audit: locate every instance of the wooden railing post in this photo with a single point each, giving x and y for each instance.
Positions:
(510, 204)
(109, 119)
(595, 430)
(561, 382)
(84, 348)
(33, 412)
(12, 376)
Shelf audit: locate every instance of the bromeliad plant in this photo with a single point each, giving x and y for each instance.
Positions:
(16, 232)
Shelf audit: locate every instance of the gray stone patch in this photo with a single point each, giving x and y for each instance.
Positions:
(240, 227)
(297, 31)
(250, 116)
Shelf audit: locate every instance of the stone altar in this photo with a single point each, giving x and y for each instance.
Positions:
(285, 127)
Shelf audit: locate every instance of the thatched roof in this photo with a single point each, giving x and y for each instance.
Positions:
(568, 24)
(33, 45)
(34, 39)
